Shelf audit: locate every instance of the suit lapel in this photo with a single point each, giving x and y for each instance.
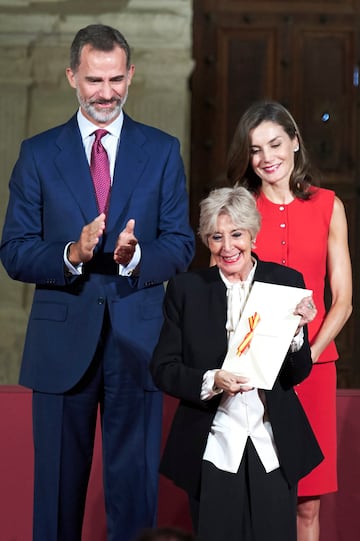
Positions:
(215, 314)
(74, 170)
(129, 166)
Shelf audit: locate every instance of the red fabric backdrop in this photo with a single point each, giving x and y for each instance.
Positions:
(339, 514)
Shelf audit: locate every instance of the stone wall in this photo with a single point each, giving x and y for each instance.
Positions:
(35, 37)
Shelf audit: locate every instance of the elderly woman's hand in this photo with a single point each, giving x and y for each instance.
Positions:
(230, 383)
(307, 310)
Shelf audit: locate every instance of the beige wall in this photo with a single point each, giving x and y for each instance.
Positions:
(35, 37)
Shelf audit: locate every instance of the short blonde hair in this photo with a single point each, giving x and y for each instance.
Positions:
(237, 202)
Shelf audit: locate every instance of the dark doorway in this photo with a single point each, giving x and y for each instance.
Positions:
(304, 55)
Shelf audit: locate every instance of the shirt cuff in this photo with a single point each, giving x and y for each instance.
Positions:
(75, 271)
(208, 389)
(297, 341)
(129, 269)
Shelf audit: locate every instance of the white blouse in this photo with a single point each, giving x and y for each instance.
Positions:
(243, 415)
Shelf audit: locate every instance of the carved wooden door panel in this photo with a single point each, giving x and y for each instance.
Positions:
(306, 57)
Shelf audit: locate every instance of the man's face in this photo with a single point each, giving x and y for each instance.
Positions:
(101, 82)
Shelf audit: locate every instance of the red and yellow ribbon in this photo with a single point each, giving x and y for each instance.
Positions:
(253, 321)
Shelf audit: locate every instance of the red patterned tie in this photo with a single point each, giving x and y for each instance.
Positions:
(100, 171)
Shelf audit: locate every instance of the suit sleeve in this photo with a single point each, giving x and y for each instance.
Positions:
(297, 365)
(172, 250)
(169, 371)
(25, 253)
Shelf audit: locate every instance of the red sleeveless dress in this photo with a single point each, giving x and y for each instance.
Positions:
(296, 235)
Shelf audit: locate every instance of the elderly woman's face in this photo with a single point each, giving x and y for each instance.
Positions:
(230, 248)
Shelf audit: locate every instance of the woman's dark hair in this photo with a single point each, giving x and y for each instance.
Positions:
(101, 38)
(239, 169)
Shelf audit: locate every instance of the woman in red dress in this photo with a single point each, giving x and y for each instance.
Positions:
(303, 227)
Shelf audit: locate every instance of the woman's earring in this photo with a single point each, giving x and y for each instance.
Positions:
(296, 149)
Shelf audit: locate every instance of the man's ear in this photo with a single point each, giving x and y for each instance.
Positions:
(70, 77)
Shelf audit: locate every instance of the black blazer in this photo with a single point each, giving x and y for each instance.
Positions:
(193, 340)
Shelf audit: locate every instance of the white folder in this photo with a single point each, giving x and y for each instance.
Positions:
(271, 338)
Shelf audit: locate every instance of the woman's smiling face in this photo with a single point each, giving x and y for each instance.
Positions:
(230, 248)
(272, 153)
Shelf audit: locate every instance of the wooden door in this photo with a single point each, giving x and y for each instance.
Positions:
(305, 55)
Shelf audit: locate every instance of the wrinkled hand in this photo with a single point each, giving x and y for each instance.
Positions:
(231, 383)
(125, 245)
(307, 310)
(83, 250)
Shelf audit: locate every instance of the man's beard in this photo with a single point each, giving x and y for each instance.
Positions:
(102, 117)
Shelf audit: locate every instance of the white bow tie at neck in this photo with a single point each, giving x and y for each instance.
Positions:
(236, 300)
(237, 294)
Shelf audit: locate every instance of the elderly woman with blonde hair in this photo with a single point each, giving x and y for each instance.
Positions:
(238, 451)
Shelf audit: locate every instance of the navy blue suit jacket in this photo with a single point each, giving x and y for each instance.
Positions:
(51, 199)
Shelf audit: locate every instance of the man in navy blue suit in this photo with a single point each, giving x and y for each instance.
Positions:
(97, 307)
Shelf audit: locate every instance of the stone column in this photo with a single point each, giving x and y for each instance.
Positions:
(15, 81)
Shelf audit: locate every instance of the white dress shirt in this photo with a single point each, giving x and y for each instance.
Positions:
(110, 141)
